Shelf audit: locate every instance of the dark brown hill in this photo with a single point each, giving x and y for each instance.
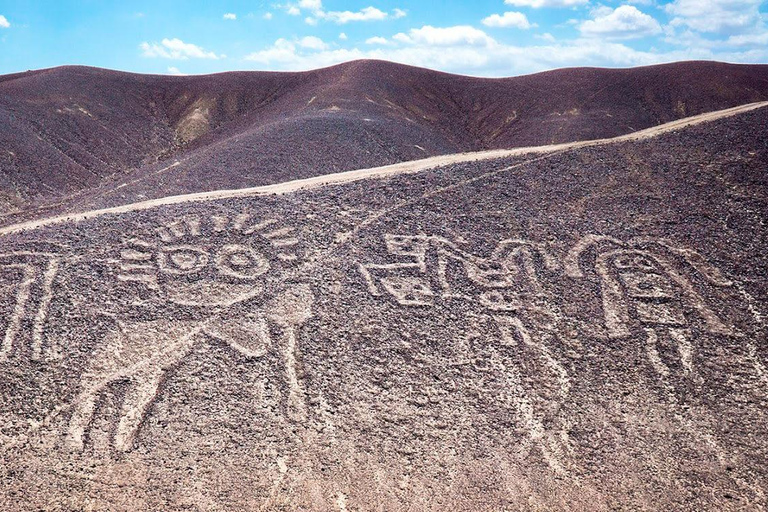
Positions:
(72, 129)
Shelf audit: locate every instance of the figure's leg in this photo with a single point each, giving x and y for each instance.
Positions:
(141, 392)
(82, 415)
(297, 409)
(684, 349)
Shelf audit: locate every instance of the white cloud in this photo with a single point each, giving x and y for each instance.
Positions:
(536, 4)
(624, 22)
(173, 70)
(314, 5)
(377, 40)
(449, 36)
(340, 17)
(470, 51)
(717, 16)
(230, 16)
(309, 20)
(4, 23)
(343, 36)
(280, 52)
(546, 36)
(285, 51)
(508, 19)
(749, 40)
(312, 43)
(366, 14)
(176, 49)
(285, 55)
(267, 16)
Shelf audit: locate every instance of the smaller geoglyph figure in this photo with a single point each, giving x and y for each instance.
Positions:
(26, 291)
(645, 288)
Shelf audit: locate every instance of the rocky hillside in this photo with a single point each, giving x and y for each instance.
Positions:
(96, 136)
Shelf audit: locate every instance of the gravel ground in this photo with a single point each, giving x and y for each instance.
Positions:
(582, 330)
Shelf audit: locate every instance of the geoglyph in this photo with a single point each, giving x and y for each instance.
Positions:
(645, 288)
(210, 266)
(216, 263)
(506, 289)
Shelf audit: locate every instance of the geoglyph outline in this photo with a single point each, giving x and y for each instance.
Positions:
(41, 270)
(144, 261)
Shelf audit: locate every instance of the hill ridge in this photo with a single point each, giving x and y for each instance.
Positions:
(378, 172)
(72, 134)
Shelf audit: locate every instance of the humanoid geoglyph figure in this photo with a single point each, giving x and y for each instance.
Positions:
(645, 288)
(219, 270)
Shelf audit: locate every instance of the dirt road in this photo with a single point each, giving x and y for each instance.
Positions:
(380, 172)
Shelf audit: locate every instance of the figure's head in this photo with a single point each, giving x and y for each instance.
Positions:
(217, 263)
(634, 261)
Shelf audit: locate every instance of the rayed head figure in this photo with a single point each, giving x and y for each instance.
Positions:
(213, 266)
(221, 263)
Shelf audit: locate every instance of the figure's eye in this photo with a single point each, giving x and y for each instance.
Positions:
(643, 262)
(241, 261)
(183, 259)
(489, 266)
(623, 262)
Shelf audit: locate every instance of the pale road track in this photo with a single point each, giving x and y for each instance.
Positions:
(386, 171)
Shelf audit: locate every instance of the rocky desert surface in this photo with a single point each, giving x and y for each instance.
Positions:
(581, 327)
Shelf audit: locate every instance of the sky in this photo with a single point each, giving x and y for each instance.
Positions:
(480, 37)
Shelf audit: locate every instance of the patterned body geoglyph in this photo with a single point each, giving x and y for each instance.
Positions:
(506, 289)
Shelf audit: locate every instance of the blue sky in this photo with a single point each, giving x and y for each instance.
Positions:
(480, 37)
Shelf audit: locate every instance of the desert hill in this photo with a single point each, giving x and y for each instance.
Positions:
(572, 328)
(78, 137)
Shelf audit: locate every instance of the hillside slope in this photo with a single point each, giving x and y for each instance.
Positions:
(578, 329)
(76, 129)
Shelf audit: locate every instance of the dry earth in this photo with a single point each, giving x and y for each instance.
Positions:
(578, 329)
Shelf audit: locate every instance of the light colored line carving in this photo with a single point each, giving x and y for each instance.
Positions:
(219, 223)
(141, 243)
(614, 305)
(259, 227)
(240, 221)
(193, 225)
(131, 254)
(278, 232)
(684, 349)
(128, 267)
(42, 312)
(652, 351)
(290, 311)
(537, 433)
(285, 242)
(149, 280)
(22, 297)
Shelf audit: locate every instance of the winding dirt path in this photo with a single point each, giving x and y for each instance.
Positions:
(409, 167)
